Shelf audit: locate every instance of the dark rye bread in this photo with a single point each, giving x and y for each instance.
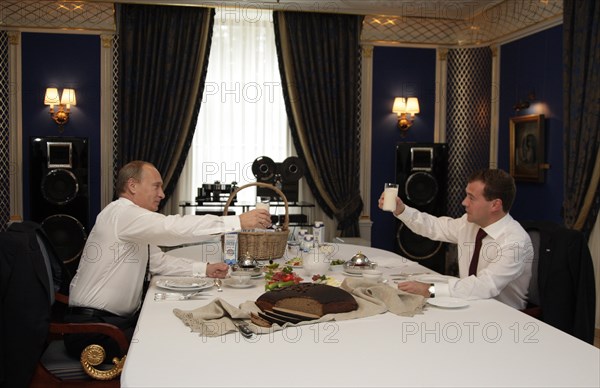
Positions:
(317, 299)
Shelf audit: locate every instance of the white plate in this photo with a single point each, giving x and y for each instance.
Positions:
(448, 302)
(183, 285)
(231, 284)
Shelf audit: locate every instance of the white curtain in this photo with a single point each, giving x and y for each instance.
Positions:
(242, 115)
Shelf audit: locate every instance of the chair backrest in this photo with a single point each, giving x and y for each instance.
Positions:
(25, 289)
(534, 291)
(565, 278)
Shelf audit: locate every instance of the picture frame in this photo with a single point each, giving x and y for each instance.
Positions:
(527, 148)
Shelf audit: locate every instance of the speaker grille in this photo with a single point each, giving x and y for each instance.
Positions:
(414, 246)
(60, 187)
(421, 188)
(67, 236)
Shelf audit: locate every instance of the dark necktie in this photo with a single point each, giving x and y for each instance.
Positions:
(475, 260)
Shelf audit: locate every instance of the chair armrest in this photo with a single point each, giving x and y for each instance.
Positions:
(102, 328)
(62, 298)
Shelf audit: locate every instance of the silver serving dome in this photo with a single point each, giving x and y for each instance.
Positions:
(246, 263)
(359, 263)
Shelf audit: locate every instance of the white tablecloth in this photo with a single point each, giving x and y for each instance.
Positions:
(484, 344)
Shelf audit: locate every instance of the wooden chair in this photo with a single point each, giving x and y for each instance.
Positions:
(57, 369)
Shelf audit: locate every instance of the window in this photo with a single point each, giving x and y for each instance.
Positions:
(242, 115)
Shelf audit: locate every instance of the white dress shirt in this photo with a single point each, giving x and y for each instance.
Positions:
(113, 263)
(506, 254)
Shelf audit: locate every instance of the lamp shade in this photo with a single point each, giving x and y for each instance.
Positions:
(51, 97)
(412, 105)
(399, 105)
(68, 97)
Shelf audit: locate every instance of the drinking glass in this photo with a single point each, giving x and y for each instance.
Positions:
(390, 192)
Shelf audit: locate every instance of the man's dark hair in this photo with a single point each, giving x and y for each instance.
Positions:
(498, 184)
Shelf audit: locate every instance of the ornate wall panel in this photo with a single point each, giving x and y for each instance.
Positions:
(468, 117)
(57, 14)
(115, 105)
(5, 166)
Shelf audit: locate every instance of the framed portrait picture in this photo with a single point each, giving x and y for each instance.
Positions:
(527, 148)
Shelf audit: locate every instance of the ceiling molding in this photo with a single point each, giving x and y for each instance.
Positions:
(431, 23)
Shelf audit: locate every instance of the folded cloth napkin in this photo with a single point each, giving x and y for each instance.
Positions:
(386, 298)
(219, 317)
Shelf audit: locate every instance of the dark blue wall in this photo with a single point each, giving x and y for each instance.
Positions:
(397, 72)
(535, 64)
(62, 61)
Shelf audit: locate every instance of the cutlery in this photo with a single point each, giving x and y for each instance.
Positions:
(410, 274)
(177, 296)
(244, 329)
(218, 284)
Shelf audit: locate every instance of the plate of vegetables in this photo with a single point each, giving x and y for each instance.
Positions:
(295, 262)
(277, 279)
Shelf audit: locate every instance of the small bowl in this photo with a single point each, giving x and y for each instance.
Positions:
(372, 275)
(240, 278)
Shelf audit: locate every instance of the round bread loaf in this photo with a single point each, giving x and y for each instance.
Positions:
(310, 298)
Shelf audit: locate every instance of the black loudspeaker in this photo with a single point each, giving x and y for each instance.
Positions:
(59, 193)
(285, 176)
(422, 176)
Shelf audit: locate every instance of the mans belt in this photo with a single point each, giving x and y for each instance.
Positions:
(90, 312)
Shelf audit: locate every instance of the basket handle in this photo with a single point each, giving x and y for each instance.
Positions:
(286, 219)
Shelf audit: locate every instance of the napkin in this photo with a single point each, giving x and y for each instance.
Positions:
(218, 317)
(381, 297)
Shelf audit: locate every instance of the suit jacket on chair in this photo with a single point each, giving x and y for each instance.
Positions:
(565, 280)
(25, 291)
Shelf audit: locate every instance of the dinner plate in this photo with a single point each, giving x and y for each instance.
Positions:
(183, 285)
(448, 302)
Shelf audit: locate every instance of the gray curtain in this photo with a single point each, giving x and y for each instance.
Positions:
(163, 57)
(581, 96)
(319, 60)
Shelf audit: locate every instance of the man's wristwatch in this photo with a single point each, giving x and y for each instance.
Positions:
(431, 290)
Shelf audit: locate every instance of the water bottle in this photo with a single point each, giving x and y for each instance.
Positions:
(307, 243)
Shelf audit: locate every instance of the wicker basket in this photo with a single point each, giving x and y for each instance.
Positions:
(263, 245)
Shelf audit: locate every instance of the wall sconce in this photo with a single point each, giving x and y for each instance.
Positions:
(61, 116)
(406, 109)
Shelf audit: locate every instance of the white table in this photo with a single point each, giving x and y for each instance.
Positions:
(485, 344)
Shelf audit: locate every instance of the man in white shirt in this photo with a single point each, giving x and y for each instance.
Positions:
(109, 281)
(503, 269)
